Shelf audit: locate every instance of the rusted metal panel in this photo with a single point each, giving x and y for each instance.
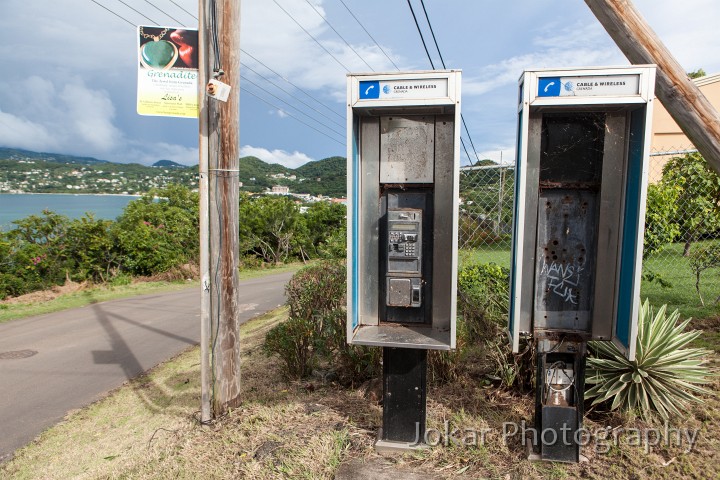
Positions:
(406, 149)
(565, 259)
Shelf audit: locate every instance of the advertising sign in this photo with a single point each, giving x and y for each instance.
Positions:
(167, 72)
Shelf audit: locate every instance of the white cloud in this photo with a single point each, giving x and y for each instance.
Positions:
(69, 117)
(290, 160)
(22, 133)
(578, 45)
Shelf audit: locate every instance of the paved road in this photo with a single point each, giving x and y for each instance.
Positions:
(85, 352)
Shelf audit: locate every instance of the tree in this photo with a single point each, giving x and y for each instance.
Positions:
(326, 228)
(699, 198)
(159, 231)
(661, 226)
(271, 227)
(697, 73)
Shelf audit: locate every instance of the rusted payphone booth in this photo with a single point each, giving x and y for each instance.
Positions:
(582, 153)
(403, 176)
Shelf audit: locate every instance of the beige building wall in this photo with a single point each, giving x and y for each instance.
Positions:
(667, 136)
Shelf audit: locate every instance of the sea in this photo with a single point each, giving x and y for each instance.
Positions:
(21, 205)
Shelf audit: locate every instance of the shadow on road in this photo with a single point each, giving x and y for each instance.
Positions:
(154, 397)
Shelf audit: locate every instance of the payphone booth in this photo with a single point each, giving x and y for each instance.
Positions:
(403, 176)
(582, 153)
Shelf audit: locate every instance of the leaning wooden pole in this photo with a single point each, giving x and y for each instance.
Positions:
(220, 39)
(681, 97)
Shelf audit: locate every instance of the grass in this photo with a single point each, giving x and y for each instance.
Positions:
(669, 264)
(37, 305)
(147, 429)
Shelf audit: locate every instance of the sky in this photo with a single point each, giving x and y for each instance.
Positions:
(69, 68)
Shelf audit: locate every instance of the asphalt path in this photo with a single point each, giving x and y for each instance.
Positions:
(54, 363)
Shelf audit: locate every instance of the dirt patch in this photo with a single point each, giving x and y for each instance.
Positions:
(47, 295)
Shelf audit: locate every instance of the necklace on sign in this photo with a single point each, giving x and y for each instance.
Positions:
(158, 54)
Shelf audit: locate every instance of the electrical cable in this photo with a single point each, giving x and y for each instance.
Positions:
(163, 12)
(291, 106)
(181, 8)
(310, 35)
(138, 12)
(338, 34)
(276, 73)
(279, 87)
(368, 34)
(291, 115)
(116, 14)
(291, 83)
(442, 60)
(422, 38)
(218, 67)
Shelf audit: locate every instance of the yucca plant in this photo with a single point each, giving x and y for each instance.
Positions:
(665, 375)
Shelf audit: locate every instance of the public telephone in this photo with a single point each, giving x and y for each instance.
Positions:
(582, 153)
(404, 258)
(403, 193)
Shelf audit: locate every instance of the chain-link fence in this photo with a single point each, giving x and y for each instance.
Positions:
(682, 237)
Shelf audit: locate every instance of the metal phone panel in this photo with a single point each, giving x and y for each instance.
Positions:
(369, 219)
(565, 256)
(444, 265)
(527, 248)
(611, 201)
(406, 149)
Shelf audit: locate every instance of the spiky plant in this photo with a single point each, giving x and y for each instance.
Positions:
(664, 376)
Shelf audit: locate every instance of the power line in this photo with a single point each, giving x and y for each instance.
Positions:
(164, 12)
(442, 60)
(368, 34)
(291, 115)
(181, 8)
(291, 83)
(291, 106)
(280, 75)
(310, 35)
(279, 87)
(338, 34)
(116, 14)
(247, 91)
(422, 38)
(138, 12)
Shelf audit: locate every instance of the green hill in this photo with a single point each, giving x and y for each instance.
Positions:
(19, 154)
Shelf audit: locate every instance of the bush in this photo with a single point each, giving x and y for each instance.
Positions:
(296, 341)
(315, 332)
(703, 259)
(482, 345)
(663, 377)
(154, 236)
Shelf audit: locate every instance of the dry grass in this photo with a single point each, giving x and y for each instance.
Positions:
(148, 429)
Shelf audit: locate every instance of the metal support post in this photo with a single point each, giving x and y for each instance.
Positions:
(404, 399)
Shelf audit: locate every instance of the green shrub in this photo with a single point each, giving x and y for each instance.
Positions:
(317, 290)
(295, 341)
(482, 345)
(664, 376)
(703, 259)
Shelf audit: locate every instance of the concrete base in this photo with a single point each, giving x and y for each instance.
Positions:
(389, 446)
(536, 457)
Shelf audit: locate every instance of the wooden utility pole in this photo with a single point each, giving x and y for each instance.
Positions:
(219, 58)
(681, 97)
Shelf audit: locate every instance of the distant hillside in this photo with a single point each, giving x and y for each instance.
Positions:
(27, 171)
(19, 154)
(167, 163)
(322, 177)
